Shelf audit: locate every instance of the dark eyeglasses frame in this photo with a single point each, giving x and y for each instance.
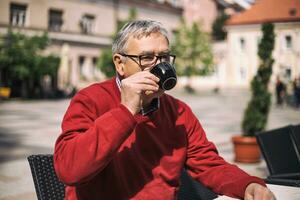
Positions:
(139, 58)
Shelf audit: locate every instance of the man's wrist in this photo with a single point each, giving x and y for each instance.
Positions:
(132, 111)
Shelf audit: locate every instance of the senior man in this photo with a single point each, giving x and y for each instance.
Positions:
(125, 138)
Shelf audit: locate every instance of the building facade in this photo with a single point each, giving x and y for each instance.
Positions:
(205, 12)
(79, 29)
(244, 34)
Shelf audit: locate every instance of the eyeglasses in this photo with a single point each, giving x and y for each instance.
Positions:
(150, 60)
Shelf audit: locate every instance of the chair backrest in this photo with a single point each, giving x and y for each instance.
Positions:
(47, 185)
(279, 150)
(296, 135)
(193, 190)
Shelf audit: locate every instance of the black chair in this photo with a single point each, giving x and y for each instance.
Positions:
(296, 136)
(281, 152)
(48, 186)
(193, 190)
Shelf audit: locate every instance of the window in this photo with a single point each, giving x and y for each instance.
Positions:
(55, 20)
(288, 42)
(242, 44)
(243, 73)
(95, 68)
(286, 72)
(81, 65)
(87, 24)
(175, 3)
(17, 14)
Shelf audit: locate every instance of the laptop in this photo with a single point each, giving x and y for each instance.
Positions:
(280, 148)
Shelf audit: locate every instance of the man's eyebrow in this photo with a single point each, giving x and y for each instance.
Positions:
(146, 52)
(152, 52)
(165, 52)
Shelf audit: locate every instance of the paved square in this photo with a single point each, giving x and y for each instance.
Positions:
(31, 127)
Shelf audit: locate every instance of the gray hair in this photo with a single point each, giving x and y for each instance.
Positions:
(136, 29)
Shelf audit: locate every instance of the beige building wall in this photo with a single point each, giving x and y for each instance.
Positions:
(201, 11)
(243, 60)
(80, 50)
(73, 10)
(170, 20)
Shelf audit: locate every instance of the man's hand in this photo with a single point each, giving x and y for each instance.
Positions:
(255, 191)
(134, 87)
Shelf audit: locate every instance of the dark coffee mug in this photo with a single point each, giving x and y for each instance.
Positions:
(167, 75)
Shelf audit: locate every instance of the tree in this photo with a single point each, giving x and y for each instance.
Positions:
(256, 113)
(105, 62)
(193, 51)
(22, 64)
(218, 31)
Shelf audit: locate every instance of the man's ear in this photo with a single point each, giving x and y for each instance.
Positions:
(119, 64)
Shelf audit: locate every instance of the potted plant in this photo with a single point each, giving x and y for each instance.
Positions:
(257, 110)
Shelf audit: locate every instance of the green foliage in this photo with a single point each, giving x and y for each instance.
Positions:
(193, 51)
(21, 62)
(256, 113)
(106, 64)
(218, 31)
(105, 61)
(47, 65)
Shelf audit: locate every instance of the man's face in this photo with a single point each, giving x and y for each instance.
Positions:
(154, 44)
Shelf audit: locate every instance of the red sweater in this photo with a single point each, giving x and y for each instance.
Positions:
(104, 152)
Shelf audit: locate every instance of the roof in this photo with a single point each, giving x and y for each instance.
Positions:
(268, 11)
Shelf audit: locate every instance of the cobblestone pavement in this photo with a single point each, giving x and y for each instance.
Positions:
(31, 127)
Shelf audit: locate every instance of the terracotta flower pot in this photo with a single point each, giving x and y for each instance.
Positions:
(246, 149)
